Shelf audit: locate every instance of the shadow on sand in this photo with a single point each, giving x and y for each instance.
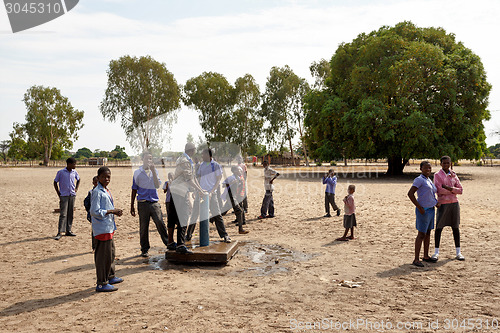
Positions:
(407, 269)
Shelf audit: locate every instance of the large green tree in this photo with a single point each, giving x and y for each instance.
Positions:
(213, 96)
(118, 153)
(83, 153)
(145, 97)
(51, 124)
(398, 93)
(246, 121)
(282, 107)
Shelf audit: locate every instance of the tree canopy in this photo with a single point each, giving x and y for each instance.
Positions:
(213, 96)
(51, 125)
(144, 96)
(247, 122)
(398, 93)
(282, 106)
(227, 113)
(83, 153)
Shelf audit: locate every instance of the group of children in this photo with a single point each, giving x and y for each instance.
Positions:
(446, 185)
(101, 211)
(234, 194)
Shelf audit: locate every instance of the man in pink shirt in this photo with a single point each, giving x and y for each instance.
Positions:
(448, 214)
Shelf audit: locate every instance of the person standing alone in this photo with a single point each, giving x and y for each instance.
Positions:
(68, 181)
(331, 182)
(267, 208)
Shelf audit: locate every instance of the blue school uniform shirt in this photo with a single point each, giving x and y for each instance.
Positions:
(208, 173)
(67, 181)
(331, 183)
(101, 202)
(426, 191)
(144, 184)
(168, 195)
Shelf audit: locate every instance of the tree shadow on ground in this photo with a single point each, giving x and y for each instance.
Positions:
(407, 269)
(367, 176)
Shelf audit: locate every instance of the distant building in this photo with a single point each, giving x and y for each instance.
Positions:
(98, 160)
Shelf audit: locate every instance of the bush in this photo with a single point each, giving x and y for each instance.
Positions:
(332, 163)
(318, 163)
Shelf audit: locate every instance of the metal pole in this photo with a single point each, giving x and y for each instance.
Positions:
(204, 215)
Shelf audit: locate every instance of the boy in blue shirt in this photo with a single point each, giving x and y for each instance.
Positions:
(68, 180)
(331, 182)
(86, 204)
(424, 211)
(103, 211)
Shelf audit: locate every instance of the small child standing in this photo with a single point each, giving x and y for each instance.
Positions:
(235, 193)
(331, 182)
(102, 211)
(166, 189)
(86, 204)
(349, 214)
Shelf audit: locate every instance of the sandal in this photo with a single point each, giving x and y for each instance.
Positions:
(432, 260)
(418, 264)
(342, 239)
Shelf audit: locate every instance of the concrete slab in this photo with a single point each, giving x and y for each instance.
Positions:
(215, 253)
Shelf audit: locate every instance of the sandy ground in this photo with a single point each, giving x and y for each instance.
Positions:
(284, 278)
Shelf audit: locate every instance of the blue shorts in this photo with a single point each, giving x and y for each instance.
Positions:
(425, 222)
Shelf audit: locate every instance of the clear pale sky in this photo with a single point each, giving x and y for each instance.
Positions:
(233, 38)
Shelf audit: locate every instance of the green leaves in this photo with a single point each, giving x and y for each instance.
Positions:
(51, 124)
(282, 106)
(227, 113)
(213, 96)
(144, 96)
(406, 92)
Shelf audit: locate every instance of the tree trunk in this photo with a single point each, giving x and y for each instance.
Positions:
(289, 141)
(46, 156)
(291, 149)
(303, 144)
(396, 165)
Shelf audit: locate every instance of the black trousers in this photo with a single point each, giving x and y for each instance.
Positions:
(330, 200)
(238, 209)
(104, 258)
(148, 210)
(66, 207)
(267, 204)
